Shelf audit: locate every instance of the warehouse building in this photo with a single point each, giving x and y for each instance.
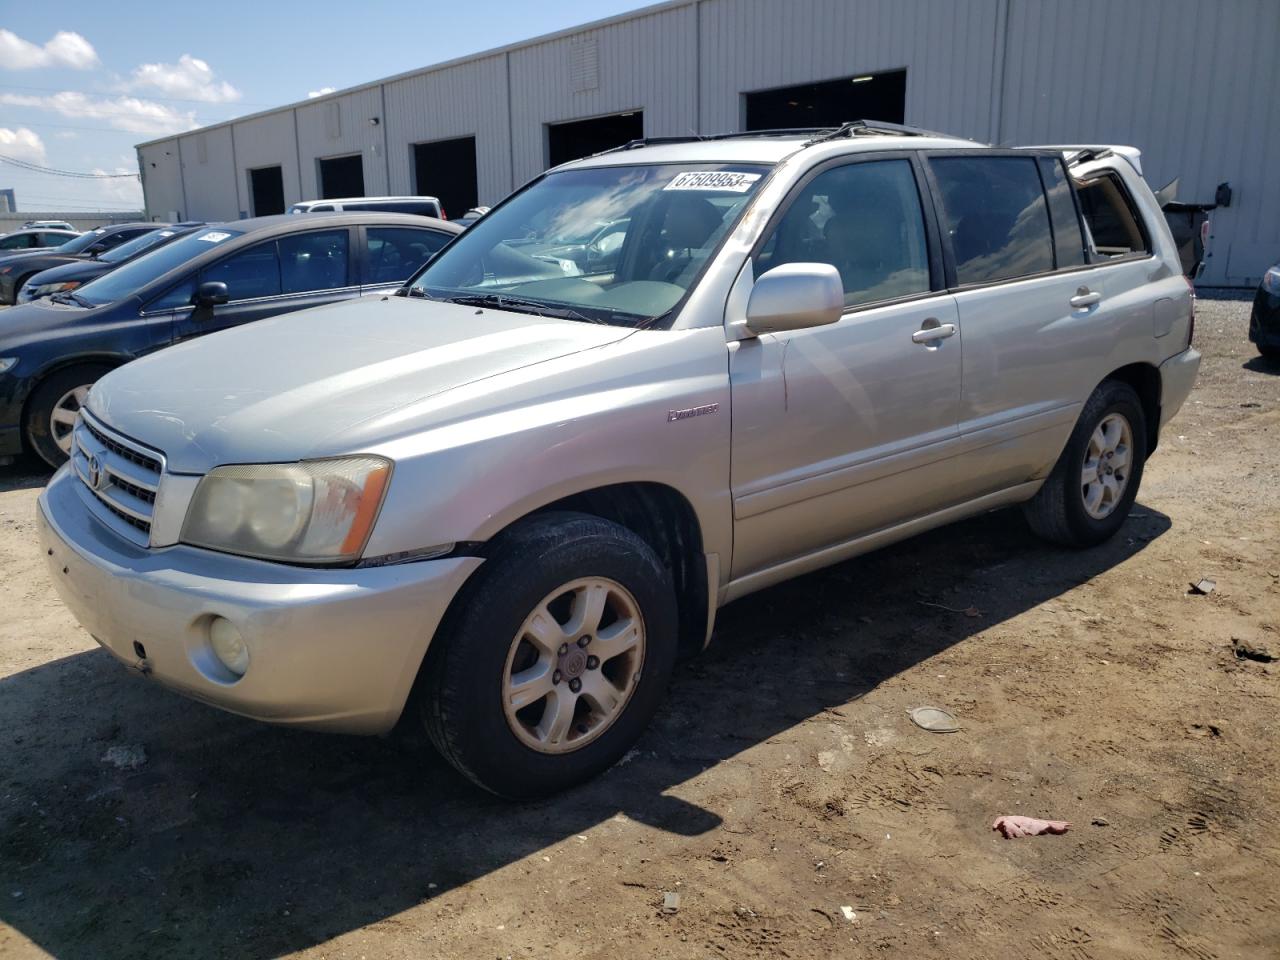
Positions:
(1195, 85)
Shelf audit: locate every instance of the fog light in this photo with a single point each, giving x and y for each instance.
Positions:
(228, 646)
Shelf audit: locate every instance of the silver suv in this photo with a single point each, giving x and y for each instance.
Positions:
(649, 383)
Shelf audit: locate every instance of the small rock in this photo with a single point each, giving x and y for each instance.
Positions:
(1251, 650)
(1100, 822)
(126, 756)
(849, 914)
(1203, 586)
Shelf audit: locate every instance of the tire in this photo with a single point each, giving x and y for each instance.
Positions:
(41, 433)
(466, 678)
(1061, 511)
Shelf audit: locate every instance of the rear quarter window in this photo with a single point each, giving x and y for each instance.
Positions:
(1115, 226)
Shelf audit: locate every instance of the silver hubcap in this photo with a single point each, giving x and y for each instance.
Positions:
(65, 414)
(573, 665)
(1105, 473)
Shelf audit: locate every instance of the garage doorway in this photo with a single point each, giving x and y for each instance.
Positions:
(342, 177)
(266, 191)
(581, 138)
(868, 96)
(446, 169)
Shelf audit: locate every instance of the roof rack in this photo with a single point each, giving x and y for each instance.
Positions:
(854, 128)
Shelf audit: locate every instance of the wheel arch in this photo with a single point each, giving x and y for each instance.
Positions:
(63, 363)
(1144, 378)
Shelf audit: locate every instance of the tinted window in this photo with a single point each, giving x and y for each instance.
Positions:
(52, 239)
(396, 252)
(420, 207)
(865, 220)
(249, 274)
(313, 261)
(1114, 226)
(17, 241)
(995, 214)
(135, 246)
(1068, 241)
(127, 280)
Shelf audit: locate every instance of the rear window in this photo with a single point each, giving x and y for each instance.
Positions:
(995, 214)
(1114, 224)
(422, 208)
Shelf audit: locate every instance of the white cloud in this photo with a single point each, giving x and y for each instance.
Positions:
(312, 94)
(66, 135)
(66, 49)
(124, 113)
(22, 144)
(127, 190)
(189, 79)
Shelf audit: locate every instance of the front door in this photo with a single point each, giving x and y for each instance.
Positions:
(849, 428)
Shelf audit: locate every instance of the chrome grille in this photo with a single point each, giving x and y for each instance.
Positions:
(122, 475)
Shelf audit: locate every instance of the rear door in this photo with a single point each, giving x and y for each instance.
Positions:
(393, 254)
(1034, 331)
(289, 273)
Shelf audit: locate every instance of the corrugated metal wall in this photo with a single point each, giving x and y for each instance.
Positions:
(1195, 85)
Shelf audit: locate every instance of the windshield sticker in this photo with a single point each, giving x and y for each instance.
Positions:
(166, 233)
(215, 237)
(713, 180)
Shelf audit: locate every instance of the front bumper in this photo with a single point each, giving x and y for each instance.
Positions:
(334, 649)
(1177, 377)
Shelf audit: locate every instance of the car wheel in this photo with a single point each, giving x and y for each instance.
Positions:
(554, 658)
(19, 284)
(1092, 487)
(53, 408)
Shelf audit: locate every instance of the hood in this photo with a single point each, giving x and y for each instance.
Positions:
(287, 388)
(41, 320)
(82, 270)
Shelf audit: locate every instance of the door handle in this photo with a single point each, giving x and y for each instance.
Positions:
(933, 331)
(1085, 298)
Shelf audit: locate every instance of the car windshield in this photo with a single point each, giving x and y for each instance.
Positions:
(616, 245)
(80, 243)
(135, 246)
(133, 276)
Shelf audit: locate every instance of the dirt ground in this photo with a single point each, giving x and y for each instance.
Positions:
(781, 783)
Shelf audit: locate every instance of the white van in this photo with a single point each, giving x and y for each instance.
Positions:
(423, 206)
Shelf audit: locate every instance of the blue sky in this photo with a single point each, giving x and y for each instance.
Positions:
(81, 83)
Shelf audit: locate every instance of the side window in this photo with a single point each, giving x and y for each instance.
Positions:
(995, 214)
(865, 220)
(249, 274)
(180, 296)
(1114, 225)
(314, 261)
(52, 239)
(396, 252)
(1068, 241)
(323, 208)
(19, 241)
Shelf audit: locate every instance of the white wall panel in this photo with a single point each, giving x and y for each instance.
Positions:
(161, 179)
(267, 141)
(467, 100)
(209, 172)
(319, 136)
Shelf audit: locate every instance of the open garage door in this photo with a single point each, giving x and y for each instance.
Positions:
(581, 138)
(446, 169)
(266, 188)
(342, 177)
(870, 96)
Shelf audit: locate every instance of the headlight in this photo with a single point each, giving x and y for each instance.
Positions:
(30, 292)
(318, 511)
(7, 364)
(1271, 281)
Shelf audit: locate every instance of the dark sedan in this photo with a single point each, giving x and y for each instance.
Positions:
(1264, 322)
(69, 276)
(16, 271)
(220, 276)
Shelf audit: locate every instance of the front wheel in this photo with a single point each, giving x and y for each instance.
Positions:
(54, 408)
(1092, 487)
(555, 658)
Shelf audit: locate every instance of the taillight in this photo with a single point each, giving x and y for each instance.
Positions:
(1204, 234)
(443, 215)
(1191, 325)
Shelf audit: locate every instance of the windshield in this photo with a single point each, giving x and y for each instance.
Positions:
(128, 279)
(610, 244)
(78, 244)
(135, 246)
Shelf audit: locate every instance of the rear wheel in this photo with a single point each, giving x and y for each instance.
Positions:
(1092, 487)
(54, 407)
(555, 658)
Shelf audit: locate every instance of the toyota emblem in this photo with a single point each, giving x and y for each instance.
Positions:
(95, 472)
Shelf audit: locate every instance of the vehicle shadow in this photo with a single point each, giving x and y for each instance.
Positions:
(234, 838)
(25, 473)
(1262, 365)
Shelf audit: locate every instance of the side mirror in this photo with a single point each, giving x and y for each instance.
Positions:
(794, 296)
(211, 293)
(95, 248)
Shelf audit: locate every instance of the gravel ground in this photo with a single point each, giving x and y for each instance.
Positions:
(781, 784)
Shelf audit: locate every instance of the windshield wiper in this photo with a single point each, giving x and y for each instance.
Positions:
(500, 301)
(69, 297)
(412, 292)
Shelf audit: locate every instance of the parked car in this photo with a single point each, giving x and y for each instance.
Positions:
(1264, 320)
(13, 274)
(517, 491)
(68, 276)
(49, 225)
(32, 240)
(422, 206)
(52, 351)
(471, 216)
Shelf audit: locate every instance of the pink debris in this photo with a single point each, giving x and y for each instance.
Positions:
(1012, 827)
